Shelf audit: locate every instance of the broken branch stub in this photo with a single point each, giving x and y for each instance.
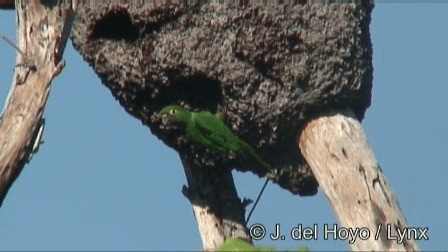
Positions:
(352, 180)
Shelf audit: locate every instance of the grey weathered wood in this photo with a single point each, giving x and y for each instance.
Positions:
(345, 166)
(42, 35)
(217, 208)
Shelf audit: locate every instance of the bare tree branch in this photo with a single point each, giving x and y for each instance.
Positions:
(42, 35)
(345, 166)
(216, 205)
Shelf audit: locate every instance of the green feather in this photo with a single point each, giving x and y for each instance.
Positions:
(210, 131)
(236, 244)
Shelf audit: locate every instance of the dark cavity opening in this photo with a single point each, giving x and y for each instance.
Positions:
(199, 92)
(50, 3)
(116, 26)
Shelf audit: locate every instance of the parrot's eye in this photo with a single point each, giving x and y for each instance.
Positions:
(173, 111)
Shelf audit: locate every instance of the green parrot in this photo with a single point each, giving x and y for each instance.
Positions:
(236, 244)
(210, 131)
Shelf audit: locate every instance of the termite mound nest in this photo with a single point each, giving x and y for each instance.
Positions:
(268, 68)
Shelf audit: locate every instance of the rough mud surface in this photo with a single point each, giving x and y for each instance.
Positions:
(268, 69)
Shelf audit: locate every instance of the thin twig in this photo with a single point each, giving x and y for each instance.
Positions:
(256, 201)
(28, 62)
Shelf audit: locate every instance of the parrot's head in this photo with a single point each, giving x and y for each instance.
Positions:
(175, 114)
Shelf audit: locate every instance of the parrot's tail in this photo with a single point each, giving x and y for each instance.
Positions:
(246, 148)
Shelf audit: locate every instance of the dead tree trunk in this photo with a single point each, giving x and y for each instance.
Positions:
(216, 205)
(345, 166)
(42, 35)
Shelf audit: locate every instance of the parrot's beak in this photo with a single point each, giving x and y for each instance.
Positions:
(165, 119)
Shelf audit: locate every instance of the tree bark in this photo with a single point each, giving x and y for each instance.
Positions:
(217, 208)
(42, 36)
(336, 148)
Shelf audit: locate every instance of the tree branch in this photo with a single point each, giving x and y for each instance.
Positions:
(216, 205)
(41, 38)
(345, 166)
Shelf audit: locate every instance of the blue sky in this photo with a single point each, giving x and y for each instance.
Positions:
(102, 181)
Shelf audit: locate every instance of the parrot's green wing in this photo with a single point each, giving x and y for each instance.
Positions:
(214, 129)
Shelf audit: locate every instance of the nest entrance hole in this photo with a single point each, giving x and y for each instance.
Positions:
(116, 26)
(198, 91)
